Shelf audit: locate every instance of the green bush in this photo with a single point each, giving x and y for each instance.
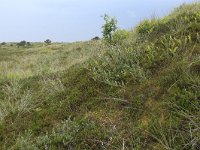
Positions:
(146, 27)
(119, 36)
(117, 67)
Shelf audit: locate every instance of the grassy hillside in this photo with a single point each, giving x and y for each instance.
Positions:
(141, 93)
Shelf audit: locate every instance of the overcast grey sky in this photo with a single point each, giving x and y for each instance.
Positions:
(73, 20)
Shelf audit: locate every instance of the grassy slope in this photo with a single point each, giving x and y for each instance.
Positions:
(140, 94)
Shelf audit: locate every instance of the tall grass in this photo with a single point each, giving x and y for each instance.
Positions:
(15, 100)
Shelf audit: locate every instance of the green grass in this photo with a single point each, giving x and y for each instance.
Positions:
(142, 93)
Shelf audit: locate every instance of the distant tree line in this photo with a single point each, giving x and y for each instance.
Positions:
(24, 43)
(3, 43)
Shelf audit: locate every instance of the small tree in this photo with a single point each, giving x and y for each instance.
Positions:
(48, 41)
(109, 28)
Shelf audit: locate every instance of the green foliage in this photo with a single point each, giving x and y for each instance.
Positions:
(65, 134)
(146, 27)
(109, 28)
(15, 100)
(120, 36)
(117, 67)
(180, 131)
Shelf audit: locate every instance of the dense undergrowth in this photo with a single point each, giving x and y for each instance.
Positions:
(141, 93)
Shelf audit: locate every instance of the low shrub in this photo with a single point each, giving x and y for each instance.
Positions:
(119, 36)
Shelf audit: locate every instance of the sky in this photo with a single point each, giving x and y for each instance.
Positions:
(73, 20)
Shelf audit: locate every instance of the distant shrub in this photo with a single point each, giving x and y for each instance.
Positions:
(22, 43)
(3, 43)
(95, 38)
(28, 43)
(48, 41)
(119, 36)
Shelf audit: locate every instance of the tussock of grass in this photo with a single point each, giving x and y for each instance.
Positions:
(15, 100)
